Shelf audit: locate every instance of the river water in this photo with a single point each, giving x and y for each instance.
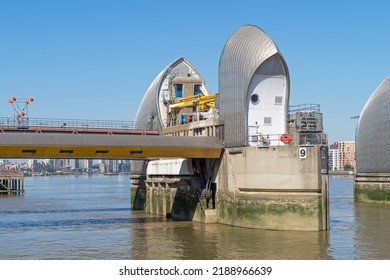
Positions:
(67, 217)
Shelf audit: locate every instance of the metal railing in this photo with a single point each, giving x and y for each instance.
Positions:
(11, 173)
(267, 140)
(304, 108)
(185, 118)
(70, 123)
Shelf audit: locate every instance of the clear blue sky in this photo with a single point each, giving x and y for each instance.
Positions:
(95, 59)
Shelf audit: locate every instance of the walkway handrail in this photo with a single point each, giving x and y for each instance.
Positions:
(71, 123)
(266, 140)
(11, 173)
(309, 107)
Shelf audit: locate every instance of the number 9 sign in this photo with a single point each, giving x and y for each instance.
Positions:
(302, 153)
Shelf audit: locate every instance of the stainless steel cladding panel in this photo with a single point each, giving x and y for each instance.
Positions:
(149, 112)
(373, 132)
(150, 104)
(244, 52)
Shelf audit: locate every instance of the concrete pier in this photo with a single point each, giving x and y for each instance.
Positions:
(11, 184)
(272, 188)
(265, 188)
(177, 198)
(272, 172)
(372, 187)
(138, 192)
(174, 197)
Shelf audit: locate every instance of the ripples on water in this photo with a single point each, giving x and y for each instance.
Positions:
(89, 218)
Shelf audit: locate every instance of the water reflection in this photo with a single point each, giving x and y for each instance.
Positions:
(187, 240)
(342, 218)
(89, 218)
(372, 234)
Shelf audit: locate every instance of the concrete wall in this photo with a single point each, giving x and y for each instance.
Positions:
(209, 127)
(372, 187)
(176, 198)
(138, 192)
(272, 188)
(275, 168)
(267, 188)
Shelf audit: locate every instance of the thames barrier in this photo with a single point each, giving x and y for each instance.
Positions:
(273, 172)
(372, 177)
(242, 157)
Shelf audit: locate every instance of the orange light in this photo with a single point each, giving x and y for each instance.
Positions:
(21, 114)
(12, 100)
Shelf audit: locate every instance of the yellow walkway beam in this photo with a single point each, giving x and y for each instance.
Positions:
(26, 145)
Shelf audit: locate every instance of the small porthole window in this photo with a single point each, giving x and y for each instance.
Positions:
(255, 99)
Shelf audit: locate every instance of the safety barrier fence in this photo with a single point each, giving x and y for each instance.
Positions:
(266, 140)
(70, 123)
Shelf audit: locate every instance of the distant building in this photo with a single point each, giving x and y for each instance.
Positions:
(76, 163)
(342, 154)
(83, 164)
(111, 166)
(334, 163)
(347, 155)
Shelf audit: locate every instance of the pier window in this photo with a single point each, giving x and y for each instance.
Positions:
(179, 90)
(267, 121)
(197, 89)
(278, 100)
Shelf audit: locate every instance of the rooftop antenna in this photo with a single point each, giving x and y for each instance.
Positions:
(20, 110)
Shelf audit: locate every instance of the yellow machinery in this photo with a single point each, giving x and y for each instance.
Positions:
(199, 103)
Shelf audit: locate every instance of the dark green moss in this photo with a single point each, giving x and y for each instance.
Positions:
(138, 198)
(371, 194)
(225, 209)
(253, 211)
(221, 206)
(184, 206)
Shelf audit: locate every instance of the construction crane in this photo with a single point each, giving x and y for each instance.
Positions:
(199, 103)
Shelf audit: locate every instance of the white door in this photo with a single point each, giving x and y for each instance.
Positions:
(266, 114)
